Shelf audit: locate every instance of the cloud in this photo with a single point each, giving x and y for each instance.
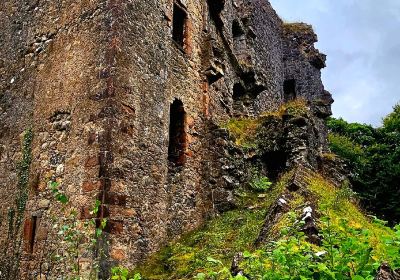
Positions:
(360, 39)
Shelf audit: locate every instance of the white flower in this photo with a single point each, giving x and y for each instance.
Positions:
(319, 254)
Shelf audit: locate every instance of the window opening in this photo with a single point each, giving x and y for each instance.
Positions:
(179, 25)
(238, 92)
(177, 134)
(215, 8)
(289, 89)
(237, 30)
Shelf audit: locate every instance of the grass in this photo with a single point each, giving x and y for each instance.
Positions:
(347, 209)
(221, 238)
(329, 156)
(235, 231)
(232, 232)
(244, 130)
(297, 27)
(296, 108)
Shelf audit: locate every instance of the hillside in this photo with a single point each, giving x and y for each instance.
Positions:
(304, 225)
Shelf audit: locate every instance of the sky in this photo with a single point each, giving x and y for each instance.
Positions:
(362, 41)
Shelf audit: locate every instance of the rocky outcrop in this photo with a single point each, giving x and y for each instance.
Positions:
(386, 273)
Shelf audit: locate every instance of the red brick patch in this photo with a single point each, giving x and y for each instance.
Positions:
(113, 198)
(92, 161)
(88, 186)
(114, 227)
(118, 254)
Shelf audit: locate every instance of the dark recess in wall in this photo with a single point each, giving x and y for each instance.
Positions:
(275, 163)
(179, 25)
(215, 8)
(177, 134)
(289, 90)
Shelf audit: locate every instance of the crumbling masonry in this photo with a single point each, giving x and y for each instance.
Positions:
(124, 100)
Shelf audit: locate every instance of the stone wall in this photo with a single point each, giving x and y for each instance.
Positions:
(96, 80)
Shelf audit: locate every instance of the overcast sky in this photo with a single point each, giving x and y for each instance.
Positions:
(362, 41)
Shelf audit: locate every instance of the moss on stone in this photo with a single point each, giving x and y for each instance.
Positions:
(297, 27)
(296, 108)
(244, 130)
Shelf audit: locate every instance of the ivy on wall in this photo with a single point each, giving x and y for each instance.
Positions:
(10, 258)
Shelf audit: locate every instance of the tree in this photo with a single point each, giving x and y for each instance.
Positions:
(373, 155)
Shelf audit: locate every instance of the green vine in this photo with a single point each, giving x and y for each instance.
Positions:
(12, 252)
(23, 174)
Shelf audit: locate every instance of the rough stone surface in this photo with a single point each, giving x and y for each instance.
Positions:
(386, 273)
(95, 80)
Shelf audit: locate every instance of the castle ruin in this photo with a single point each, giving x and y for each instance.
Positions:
(124, 99)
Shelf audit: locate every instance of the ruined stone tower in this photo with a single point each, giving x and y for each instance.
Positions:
(123, 99)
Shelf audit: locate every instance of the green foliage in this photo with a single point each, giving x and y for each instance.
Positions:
(58, 194)
(231, 232)
(260, 184)
(373, 155)
(77, 239)
(297, 108)
(23, 174)
(343, 194)
(11, 250)
(353, 246)
(391, 123)
(347, 149)
(244, 130)
(122, 273)
(345, 253)
(220, 239)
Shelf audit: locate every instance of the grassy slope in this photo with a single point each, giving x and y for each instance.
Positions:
(235, 231)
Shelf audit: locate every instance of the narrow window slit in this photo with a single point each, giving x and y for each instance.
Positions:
(215, 8)
(177, 134)
(179, 25)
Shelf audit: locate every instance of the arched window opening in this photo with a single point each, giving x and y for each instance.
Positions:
(177, 134)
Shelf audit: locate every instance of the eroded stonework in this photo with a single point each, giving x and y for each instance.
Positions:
(95, 81)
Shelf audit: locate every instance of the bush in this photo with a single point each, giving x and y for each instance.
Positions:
(373, 156)
(122, 273)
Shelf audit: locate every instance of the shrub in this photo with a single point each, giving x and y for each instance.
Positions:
(260, 184)
(122, 273)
